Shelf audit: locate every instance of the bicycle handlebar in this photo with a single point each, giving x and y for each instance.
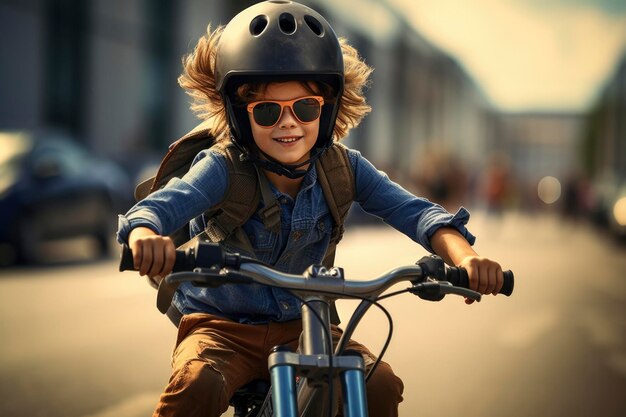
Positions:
(459, 278)
(201, 255)
(205, 264)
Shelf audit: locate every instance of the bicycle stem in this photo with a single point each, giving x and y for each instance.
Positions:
(316, 339)
(315, 361)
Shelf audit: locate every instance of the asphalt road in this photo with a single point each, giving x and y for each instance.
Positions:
(82, 340)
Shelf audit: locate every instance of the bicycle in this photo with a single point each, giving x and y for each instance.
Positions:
(315, 367)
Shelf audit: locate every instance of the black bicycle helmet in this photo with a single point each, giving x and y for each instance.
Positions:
(278, 40)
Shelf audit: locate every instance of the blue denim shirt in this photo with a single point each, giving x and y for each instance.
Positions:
(306, 224)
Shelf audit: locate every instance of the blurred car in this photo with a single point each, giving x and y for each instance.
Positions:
(52, 188)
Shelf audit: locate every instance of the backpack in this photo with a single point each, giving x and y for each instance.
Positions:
(246, 189)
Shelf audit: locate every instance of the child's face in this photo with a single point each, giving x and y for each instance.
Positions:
(289, 141)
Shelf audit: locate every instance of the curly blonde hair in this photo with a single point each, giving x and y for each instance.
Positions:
(198, 80)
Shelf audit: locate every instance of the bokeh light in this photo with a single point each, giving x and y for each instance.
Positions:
(549, 190)
(619, 211)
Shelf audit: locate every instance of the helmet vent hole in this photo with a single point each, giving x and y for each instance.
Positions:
(314, 25)
(287, 23)
(258, 25)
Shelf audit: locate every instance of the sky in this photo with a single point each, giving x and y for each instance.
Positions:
(528, 54)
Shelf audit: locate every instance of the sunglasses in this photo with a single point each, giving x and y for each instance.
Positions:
(267, 113)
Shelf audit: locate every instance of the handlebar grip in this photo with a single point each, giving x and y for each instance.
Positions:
(126, 259)
(459, 278)
(185, 260)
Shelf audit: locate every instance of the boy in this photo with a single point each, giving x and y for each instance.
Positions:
(281, 87)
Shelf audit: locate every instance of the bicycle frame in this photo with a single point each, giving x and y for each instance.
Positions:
(316, 365)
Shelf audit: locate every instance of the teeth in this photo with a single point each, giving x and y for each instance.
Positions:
(286, 140)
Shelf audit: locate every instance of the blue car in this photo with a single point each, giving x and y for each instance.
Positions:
(52, 188)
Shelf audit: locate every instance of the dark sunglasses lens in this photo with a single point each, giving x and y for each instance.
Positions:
(307, 109)
(266, 114)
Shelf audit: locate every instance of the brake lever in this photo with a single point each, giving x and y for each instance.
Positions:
(463, 292)
(433, 290)
(199, 277)
(429, 290)
(208, 277)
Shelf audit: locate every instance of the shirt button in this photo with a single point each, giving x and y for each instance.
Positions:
(283, 200)
(297, 235)
(285, 305)
(321, 225)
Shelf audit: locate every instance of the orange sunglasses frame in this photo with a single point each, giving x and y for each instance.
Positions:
(283, 104)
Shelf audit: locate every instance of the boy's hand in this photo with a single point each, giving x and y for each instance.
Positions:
(153, 254)
(485, 275)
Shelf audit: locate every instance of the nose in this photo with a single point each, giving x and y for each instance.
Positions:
(287, 119)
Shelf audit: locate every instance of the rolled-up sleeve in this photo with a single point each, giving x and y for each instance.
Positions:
(436, 219)
(416, 217)
(181, 200)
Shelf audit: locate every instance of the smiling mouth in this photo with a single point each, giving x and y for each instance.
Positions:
(289, 139)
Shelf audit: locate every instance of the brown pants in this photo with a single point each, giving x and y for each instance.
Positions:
(214, 357)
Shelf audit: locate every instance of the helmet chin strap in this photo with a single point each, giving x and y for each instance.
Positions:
(271, 164)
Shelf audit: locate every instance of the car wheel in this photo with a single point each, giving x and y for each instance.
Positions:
(27, 247)
(103, 242)
(106, 231)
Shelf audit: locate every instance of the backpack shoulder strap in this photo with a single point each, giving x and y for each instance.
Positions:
(177, 161)
(242, 196)
(334, 172)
